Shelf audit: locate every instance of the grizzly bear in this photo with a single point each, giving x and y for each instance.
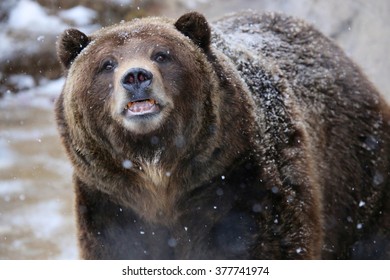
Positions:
(254, 137)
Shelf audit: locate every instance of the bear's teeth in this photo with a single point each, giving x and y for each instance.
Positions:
(151, 101)
(143, 106)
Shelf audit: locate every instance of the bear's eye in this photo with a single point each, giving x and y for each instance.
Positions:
(108, 65)
(161, 57)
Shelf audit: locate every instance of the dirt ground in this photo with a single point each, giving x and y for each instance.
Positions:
(36, 197)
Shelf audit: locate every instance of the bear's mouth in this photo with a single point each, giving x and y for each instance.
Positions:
(142, 107)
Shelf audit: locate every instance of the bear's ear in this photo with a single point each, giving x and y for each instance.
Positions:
(69, 45)
(195, 26)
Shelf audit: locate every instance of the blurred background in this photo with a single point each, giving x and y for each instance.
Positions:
(36, 197)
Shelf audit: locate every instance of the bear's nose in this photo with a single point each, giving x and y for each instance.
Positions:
(137, 78)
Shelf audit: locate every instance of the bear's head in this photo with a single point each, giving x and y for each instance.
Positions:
(137, 80)
(147, 103)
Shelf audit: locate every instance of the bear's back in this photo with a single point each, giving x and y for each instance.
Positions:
(296, 75)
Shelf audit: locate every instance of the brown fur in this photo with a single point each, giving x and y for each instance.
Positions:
(270, 144)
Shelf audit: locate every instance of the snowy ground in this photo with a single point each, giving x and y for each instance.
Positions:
(35, 195)
(36, 219)
(36, 211)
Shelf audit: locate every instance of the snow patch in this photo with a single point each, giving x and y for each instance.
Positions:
(11, 187)
(38, 97)
(7, 157)
(79, 15)
(28, 20)
(22, 81)
(193, 4)
(30, 16)
(47, 219)
(11, 46)
(123, 2)
(45, 222)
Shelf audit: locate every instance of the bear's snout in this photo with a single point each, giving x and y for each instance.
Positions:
(136, 78)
